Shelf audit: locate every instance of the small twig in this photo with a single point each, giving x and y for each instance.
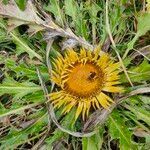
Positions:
(48, 49)
(142, 54)
(144, 51)
(49, 66)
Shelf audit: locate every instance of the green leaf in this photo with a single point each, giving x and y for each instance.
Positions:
(140, 113)
(143, 23)
(76, 12)
(54, 7)
(145, 99)
(17, 89)
(94, 142)
(143, 26)
(93, 11)
(21, 4)
(71, 9)
(119, 130)
(139, 73)
(23, 70)
(23, 46)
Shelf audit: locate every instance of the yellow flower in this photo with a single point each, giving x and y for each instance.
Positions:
(83, 81)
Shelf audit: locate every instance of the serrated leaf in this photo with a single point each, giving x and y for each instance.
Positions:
(140, 113)
(76, 12)
(22, 46)
(54, 7)
(139, 73)
(145, 99)
(143, 26)
(118, 130)
(24, 70)
(71, 9)
(94, 142)
(18, 89)
(93, 11)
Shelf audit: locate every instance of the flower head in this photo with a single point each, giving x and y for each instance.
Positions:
(84, 79)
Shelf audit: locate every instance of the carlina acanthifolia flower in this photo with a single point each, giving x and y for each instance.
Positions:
(85, 79)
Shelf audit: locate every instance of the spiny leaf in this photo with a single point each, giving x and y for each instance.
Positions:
(10, 86)
(139, 73)
(142, 27)
(54, 7)
(23, 70)
(71, 9)
(76, 12)
(140, 113)
(118, 130)
(23, 46)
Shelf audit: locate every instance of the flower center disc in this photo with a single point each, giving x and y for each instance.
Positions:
(84, 80)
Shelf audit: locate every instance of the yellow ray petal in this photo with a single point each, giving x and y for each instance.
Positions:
(93, 103)
(96, 52)
(88, 106)
(82, 53)
(113, 89)
(96, 102)
(56, 80)
(73, 56)
(111, 83)
(112, 67)
(63, 100)
(55, 95)
(60, 103)
(68, 107)
(112, 78)
(79, 109)
(89, 55)
(84, 110)
(55, 101)
(103, 101)
(107, 97)
(103, 61)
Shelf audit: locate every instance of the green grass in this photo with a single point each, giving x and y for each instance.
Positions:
(25, 45)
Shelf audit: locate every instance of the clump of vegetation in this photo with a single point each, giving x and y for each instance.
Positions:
(42, 41)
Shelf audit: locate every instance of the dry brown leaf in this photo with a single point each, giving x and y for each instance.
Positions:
(11, 10)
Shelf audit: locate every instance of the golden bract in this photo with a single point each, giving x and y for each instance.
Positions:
(84, 79)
